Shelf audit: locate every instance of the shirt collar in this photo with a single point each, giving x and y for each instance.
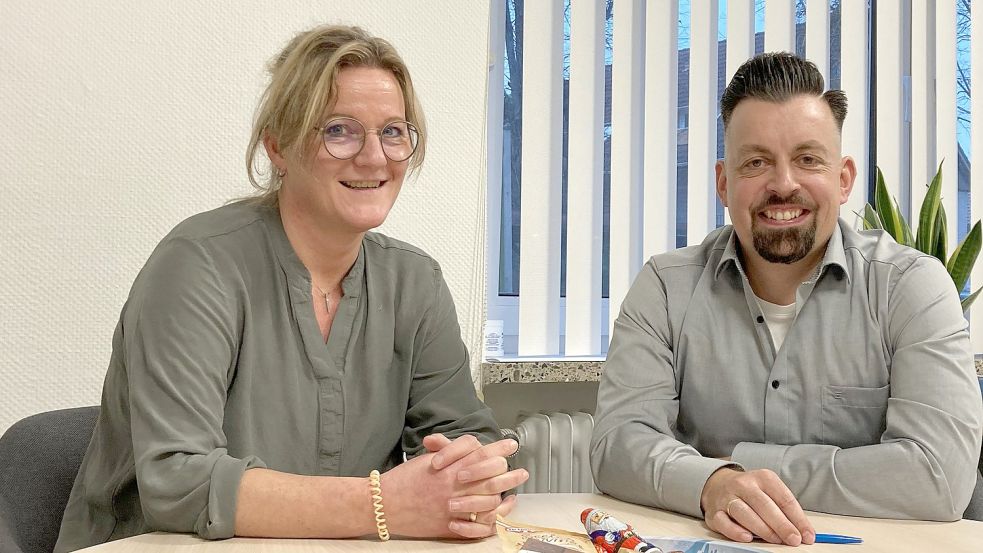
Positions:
(730, 256)
(835, 254)
(351, 285)
(835, 251)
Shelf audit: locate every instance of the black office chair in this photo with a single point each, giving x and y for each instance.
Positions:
(975, 509)
(39, 459)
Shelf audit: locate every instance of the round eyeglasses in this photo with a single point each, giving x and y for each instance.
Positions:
(344, 138)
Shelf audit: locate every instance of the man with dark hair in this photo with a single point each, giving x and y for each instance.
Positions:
(789, 362)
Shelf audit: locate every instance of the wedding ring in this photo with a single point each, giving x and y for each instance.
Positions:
(473, 517)
(729, 503)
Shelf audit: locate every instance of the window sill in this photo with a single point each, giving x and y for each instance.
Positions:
(502, 372)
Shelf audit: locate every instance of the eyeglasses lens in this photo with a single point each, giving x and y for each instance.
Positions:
(345, 137)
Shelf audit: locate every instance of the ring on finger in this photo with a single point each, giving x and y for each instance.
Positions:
(473, 516)
(729, 503)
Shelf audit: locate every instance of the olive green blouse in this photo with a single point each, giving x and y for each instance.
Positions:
(219, 366)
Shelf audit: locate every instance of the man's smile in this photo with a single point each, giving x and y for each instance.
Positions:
(783, 216)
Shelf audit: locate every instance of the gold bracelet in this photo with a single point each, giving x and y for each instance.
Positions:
(380, 516)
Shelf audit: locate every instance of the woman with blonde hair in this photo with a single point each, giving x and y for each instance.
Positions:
(276, 361)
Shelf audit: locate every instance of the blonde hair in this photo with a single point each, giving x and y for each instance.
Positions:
(303, 85)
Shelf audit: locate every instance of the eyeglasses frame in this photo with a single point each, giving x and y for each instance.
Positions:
(376, 131)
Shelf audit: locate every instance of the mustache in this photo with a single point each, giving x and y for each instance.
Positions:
(775, 199)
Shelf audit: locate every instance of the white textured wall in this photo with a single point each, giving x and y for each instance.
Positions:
(121, 119)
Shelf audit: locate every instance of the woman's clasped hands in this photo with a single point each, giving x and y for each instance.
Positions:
(455, 490)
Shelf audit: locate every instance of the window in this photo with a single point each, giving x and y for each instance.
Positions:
(504, 305)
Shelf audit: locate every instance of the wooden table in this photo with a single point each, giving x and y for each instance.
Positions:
(563, 511)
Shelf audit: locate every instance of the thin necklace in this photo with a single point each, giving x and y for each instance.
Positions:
(326, 298)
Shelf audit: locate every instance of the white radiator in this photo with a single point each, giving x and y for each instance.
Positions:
(555, 449)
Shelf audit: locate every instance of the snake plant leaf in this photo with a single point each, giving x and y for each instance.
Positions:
(890, 217)
(928, 217)
(961, 263)
(940, 244)
(931, 235)
(906, 237)
(970, 299)
(909, 238)
(870, 218)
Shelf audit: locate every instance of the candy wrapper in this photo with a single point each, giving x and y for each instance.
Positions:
(606, 535)
(610, 535)
(517, 537)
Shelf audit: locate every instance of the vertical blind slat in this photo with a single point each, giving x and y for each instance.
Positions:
(494, 129)
(659, 160)
(817, 35)
(740, 42)
(780, 26)
(584, 172)
(701, 206)
(976, 177)
(945, 95)
(853, 81)
(542, 105)
(891, 149)
(627, 115)
(740, 34)
(923, 159)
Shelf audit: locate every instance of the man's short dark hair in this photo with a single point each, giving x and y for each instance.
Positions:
(778, 77)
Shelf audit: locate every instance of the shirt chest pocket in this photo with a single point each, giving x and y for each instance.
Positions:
(854, 416)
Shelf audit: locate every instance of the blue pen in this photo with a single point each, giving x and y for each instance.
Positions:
(836, 538)
(833, 538)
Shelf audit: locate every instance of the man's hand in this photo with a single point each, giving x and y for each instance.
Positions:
(741, 505)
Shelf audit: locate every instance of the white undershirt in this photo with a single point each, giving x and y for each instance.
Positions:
(779, 319)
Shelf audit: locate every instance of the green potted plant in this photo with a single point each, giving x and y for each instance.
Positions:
(930, 236)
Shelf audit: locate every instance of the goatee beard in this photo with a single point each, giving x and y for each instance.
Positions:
(783, 246)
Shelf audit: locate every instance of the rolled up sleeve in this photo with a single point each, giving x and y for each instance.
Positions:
(181, 336)
(634, 453)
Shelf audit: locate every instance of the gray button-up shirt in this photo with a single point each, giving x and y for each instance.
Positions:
(218, 366)
(870, 407)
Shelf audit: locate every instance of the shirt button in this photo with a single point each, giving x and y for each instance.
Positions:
(761, 319)
(775, 384)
